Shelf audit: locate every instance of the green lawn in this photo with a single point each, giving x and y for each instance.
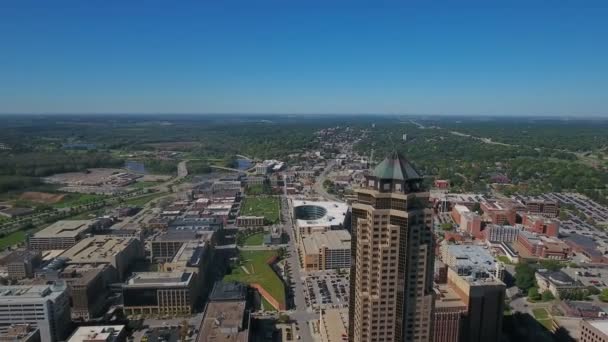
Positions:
(144, 184)
(254, 239)
(76, 199)
(140, 201)
(259, 272)
(542, 316)
(266, 206)
(540, 313)
(267, 306)
(12, 239)
(504, 259)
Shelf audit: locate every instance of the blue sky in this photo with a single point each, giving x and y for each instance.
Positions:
(459, 57)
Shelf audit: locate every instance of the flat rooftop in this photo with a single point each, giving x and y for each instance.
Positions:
(65, 229)
(223, 322)
(335, 324)
(470, 257)
(184, 234)
(331, 239)
(335, 213)
(446, 297)
(159, 279)
(99, 248)
(96, 333)
(19, 255)
(228, 291)
(21, 293)
(190, 253)
(601, 325)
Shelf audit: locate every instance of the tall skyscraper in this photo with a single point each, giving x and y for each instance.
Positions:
(392, 256)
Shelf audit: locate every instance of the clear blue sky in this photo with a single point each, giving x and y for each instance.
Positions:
(257, 56)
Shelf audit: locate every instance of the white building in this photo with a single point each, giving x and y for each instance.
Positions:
(100, 333)
(311, 216)
(46, 307)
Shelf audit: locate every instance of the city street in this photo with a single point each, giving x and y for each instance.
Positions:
(301, 313)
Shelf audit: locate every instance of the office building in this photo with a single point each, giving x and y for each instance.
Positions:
(539, 205)
(193, 257)
(530, 245)
(105, 250)
(557, 282)
(593, 330)
(99, 333)
(499, 233)
(318, 216)
(326, 250)
(154, 293)
(250, 221)
(21, 263)
(485, 300)
(499, 212)
(471, 223)
(226, 318)
(89, 288)
(21, 333)
(471, 260)
(165, 245)
(45, 307)
(448, 315)
(541, 225)
(333, 325)
(225, 321)
(392, 256)
(61, 234)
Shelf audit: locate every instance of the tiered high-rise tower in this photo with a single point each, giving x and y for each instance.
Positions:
(392, 256)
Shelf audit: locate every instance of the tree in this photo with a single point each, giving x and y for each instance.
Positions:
(592, 290)
(533, 294)
(547, 296)
(551, 265)
(524, 276)
(283, 318)
(604, 295)
(446, 226)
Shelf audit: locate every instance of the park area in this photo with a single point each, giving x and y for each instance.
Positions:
(253, 268)
(542, 316)
(255, 239)
(266, 206)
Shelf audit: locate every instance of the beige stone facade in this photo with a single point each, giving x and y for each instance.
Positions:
(392, 252)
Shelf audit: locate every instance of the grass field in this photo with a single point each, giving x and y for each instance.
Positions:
(505, 260)
(254, 239)
(140, 201)
(258, 272)
(267, 306)
(269, 207)
(542, 316)
(76, 199)
(142, 185)
(12, 239)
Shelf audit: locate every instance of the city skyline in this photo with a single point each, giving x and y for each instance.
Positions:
(472, 58)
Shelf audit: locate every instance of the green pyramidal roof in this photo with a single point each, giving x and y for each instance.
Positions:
(396, 167)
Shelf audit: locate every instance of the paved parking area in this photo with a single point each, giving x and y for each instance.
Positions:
(326, 290)
(584, 204)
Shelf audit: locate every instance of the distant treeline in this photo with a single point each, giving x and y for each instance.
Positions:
(8, 183)
(42, 164)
